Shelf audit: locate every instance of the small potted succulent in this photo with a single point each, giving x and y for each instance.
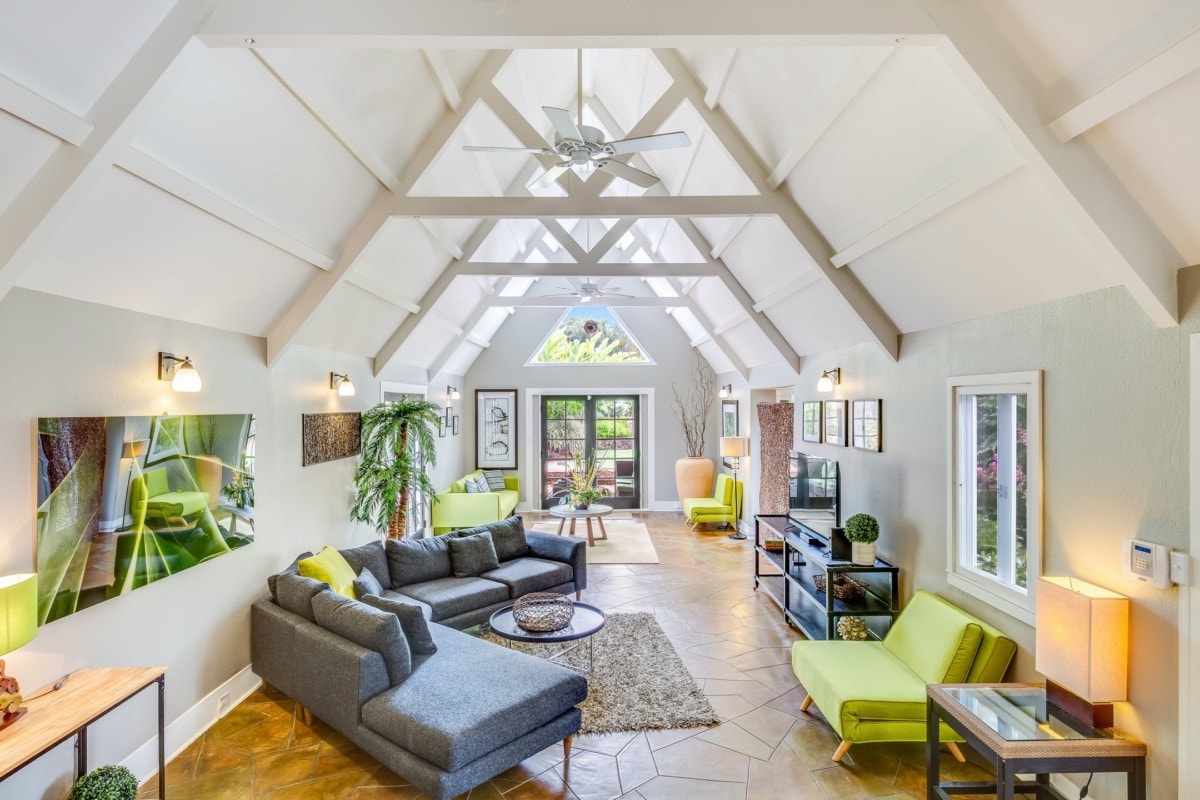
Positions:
(106, 783)
(862, 530)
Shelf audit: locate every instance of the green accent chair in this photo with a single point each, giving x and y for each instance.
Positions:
(151, 498)
(454, 508)
(875, 691)
(718, 508)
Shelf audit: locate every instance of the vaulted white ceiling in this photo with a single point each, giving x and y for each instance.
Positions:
(858, 169)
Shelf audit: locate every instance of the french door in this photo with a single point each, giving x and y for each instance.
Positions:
(607, 427)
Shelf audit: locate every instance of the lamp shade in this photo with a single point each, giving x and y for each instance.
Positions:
(735, 446)
(134, 449)
(186, 379)
(18, 611)
(1082, 640)
(346, 388)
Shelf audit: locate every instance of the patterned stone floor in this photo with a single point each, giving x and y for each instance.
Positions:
(731, 638)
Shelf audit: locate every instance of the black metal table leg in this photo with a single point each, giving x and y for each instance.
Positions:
(933, 767)
(162, 739)
(81, 752)
(1137, 780)
(1006, 781)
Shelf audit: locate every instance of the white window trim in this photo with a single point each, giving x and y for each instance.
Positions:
(1019, 605)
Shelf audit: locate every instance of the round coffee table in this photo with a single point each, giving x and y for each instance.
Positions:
(588, 620)
(571, 513)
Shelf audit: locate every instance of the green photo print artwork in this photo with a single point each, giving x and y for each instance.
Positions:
(126, 501)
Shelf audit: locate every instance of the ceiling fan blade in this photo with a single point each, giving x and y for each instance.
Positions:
(471, 148)
(615, 294)
(626, 172)
(561, 119)
(548, 177)
(640, 144)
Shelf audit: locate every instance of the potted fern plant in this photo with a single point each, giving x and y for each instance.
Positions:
(862, 530)
(397, 452)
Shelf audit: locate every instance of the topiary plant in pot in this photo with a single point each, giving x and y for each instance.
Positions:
(106, 783)
(862, 530)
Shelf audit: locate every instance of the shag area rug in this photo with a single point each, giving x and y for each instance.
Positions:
(637, 681)
(628, 541)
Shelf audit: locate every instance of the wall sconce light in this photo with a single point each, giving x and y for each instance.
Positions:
(726, 391)
(345, 388)
(829, 379)
(452, 393)
(179, 371)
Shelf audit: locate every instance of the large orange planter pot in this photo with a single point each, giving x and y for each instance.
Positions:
(694, 477)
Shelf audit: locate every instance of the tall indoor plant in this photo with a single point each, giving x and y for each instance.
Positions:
(397, 452)
(694, 473)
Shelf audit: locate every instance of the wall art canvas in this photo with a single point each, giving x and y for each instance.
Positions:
(729, 424)
(811, 421)
(328, 437)
(495, 428)
(127, 501)
(865, 424)
(835, 422)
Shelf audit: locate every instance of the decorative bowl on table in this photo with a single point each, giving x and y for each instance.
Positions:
(844, 587)
(542, 612)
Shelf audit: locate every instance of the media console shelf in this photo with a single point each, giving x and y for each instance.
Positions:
(793, 572)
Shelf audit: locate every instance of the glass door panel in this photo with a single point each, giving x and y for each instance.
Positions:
(604, 426)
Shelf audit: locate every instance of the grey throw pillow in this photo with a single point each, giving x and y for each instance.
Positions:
(369, 556)
(295, 593)
(473, 487)
(367, 627)
(366, 583)
(473, 555)
(495, 479)
(294, 569)
(508, 537)
(417, 560)
(412, 621)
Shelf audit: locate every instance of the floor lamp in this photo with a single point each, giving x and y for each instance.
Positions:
(735, 448)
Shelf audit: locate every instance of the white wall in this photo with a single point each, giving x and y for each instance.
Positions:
(66, 358)
(502, 366)
(1116, 464)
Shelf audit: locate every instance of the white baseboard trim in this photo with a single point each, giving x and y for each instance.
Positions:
(666, 505)
(191, 724)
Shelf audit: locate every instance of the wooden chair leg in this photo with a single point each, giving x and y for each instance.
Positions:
(843, 748)
(579, 595)
(954, 751)
(567, 746)
(807, 702)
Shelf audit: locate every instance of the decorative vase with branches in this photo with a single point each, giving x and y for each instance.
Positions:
(692, 405)
(397, 451)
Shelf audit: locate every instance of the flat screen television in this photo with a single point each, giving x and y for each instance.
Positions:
(814, 487)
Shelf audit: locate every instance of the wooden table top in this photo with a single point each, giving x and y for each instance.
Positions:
(87, 695)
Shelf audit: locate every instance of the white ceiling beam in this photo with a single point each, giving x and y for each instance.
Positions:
(465, 24)
(468, 334)
(858, 301)
(443, 77)
(154, 172)
(52, 118)
(383, 292)
(324, 109)
(316, 294)
(610, 239)
(442, 237)
(730, 354)
(523, 130)
(547, 301)
(727, 326)
(578, 207)
(788, 290)
(655, 117)
(1128, 77)
(588, 269)
(854, 80)
(731, 233)
(564, 239)
(712, 97)
(1131, 248)
(956, 191)
(55, 191)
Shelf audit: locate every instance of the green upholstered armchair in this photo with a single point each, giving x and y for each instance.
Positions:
(875, 691)
(718, 508)
(456, 508)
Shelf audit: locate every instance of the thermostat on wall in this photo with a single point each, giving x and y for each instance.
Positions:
(1147, 562)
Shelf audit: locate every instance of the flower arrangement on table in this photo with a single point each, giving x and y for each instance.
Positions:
(581, 490)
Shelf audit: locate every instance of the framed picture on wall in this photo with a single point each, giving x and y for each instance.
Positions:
(810, 415)
(166, 439)
(865, 423)
(729, 424)
(496, 429)
(835, 422)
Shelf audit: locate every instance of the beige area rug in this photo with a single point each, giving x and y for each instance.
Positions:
(637, 682)
(628, 541)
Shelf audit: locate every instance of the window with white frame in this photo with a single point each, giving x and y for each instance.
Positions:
(996, 488)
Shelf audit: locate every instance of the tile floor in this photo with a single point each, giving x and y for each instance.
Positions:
(731, 638)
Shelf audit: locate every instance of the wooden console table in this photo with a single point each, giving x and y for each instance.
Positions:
(86, 696)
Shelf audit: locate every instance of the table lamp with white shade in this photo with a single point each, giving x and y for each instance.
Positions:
(18, 626)
(736, 448)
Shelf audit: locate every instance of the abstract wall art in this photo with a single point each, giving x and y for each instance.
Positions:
(328, 437)
(495, 428)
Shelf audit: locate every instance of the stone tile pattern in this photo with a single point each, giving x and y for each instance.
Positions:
(732, 639)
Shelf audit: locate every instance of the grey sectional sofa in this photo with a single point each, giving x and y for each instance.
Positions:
(445, 721)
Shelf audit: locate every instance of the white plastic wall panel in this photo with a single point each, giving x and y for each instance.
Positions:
(766, 257)
(457, 173)
(352, 320)
(133, 246)
(231, 127)
(1007, 247)
(69, 51)
(817, 320)
(1151, 147)
(405, 257)
(912, 118)
(23, 151)
(708, 167)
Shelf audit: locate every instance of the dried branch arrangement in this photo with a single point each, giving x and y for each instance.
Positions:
(691, 407)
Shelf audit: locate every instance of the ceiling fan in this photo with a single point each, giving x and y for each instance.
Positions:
(588, 291)
(582, 147)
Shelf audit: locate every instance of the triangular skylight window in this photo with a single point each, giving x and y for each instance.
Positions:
(590, 335)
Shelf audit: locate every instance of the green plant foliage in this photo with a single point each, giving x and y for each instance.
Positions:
(397, 451)
(862, 528)
(596, 349)
(111, 782)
